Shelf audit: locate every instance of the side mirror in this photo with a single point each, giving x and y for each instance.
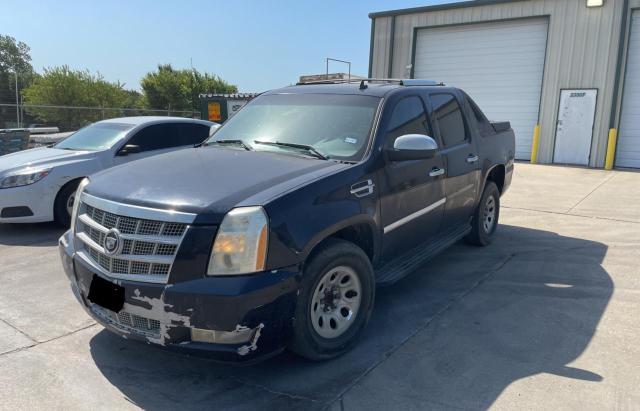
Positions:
(129, 149)
(413, 147)
(213, 129)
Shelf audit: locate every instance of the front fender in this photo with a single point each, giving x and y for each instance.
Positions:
(303, 218)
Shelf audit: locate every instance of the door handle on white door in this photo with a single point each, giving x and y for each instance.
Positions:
(435, 172)
(472, 158)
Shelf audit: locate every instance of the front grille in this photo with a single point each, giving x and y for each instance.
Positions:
(148, 246)
(129, 322)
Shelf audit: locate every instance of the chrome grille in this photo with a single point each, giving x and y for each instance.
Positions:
(129, 322)
(148, 246)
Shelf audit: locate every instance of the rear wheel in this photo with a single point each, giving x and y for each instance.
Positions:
(63, 206)
(485, 218)
(335, 301)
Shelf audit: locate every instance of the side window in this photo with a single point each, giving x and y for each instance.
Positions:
(189, 134)
(155, 137)
(478, 118)
(408, 117)
(447, 112)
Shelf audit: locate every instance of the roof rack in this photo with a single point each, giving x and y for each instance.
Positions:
(363, 81)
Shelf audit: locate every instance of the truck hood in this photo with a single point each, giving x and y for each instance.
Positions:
(42, 157)
(207, 181)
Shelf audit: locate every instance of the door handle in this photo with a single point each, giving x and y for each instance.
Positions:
(472, 158)
(435, 172)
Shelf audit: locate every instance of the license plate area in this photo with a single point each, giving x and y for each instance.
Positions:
(106, 294)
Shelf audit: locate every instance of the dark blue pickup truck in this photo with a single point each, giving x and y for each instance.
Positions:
(275, 232)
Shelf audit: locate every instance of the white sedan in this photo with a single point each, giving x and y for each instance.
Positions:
(39, 185)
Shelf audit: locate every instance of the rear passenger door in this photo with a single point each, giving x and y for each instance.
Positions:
(411, 192)
(461, 156)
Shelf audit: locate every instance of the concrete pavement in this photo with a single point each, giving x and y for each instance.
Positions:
(544, 318)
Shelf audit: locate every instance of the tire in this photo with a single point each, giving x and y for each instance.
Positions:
(483, 230)
(317, 339)
(61, 211)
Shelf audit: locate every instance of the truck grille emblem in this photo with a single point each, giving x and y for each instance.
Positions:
(112, 241)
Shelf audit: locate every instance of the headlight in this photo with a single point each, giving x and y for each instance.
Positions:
(76, 203)
(241, 243)
(24, 178)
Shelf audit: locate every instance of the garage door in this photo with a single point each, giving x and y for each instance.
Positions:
(628, 151)
(499, 64)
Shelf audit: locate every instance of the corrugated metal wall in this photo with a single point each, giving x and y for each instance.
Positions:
(581, 53)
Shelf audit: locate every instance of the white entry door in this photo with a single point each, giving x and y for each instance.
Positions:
(575, 126)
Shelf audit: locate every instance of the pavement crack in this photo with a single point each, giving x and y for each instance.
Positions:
(387, 354)
(275, 392)
(572, 214)
(18, 330)
(37, 343)
(613, 174)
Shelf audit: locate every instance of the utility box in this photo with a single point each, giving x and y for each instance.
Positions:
(220, 107)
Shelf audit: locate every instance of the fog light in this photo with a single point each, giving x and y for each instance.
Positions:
(238, 336)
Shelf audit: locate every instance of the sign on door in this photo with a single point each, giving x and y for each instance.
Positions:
(574, 130)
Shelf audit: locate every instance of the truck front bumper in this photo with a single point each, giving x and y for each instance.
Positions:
(231, 319)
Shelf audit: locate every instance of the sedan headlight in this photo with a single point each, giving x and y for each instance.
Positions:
(24, 178)
(76, 202)
(241, 243)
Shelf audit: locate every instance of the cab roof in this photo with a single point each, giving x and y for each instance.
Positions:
(366, 87)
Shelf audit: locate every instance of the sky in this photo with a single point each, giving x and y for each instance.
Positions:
(256, 45)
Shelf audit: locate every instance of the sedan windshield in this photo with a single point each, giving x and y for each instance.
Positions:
(333, 126)
(96, 137)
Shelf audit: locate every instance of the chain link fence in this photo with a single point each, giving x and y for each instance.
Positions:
(71, 118)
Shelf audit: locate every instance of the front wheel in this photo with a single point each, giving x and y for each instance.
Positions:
(485, 218)
(335, 301)
(63, 206)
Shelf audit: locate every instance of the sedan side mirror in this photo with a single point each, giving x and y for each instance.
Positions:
(129, 149)
(413, 147)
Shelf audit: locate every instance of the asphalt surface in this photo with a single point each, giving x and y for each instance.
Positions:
(547, 317)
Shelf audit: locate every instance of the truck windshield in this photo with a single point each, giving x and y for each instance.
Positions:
(95, 137)
(333, 126)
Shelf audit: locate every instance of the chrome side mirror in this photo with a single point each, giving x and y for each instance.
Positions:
(413, 147)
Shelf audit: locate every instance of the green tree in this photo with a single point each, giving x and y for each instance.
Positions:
(14, 58)
(62, 86)
(171, 89)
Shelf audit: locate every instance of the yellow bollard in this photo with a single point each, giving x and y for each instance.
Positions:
(611, 149)
(535, 143)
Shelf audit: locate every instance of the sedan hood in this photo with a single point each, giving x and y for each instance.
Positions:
(207, 181)
(42, 157)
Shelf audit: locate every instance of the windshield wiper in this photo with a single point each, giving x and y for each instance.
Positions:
(236, 142)
(309, 149)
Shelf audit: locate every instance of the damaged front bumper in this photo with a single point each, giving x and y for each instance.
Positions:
(231, 319)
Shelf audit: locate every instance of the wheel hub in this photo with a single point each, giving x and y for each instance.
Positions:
(335, 302)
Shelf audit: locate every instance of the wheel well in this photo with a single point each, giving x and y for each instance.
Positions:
(75, 181)
(358, 234)
(497, 176)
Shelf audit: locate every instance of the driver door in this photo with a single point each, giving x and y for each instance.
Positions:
(412, 191)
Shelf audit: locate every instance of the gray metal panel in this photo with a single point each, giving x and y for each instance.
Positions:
(381, 37)
(581, 53)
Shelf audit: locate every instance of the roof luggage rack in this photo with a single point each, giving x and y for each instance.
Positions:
(363, 81)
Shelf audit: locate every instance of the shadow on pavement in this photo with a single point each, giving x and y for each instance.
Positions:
(457, 332)
(38, 235)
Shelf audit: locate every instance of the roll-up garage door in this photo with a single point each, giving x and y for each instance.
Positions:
(628, 151)
(499, 64)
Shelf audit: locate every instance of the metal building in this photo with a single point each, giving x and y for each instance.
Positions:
(566, 73)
